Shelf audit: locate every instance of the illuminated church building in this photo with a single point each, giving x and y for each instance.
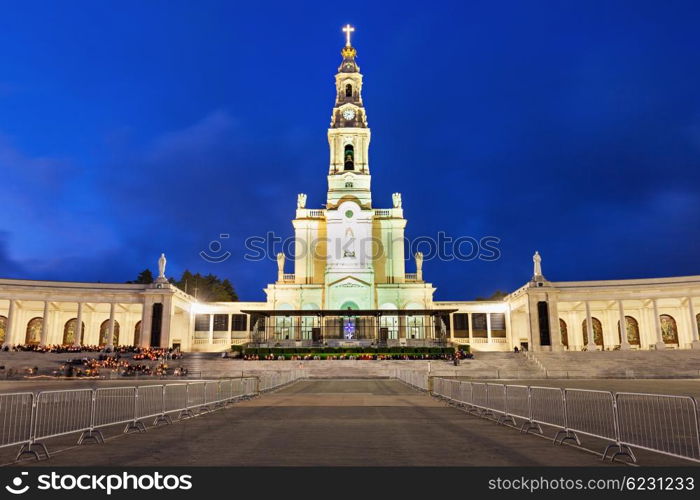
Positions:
(350, 286)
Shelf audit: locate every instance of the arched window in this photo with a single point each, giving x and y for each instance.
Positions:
(137, 333)
(632, 330)
(349, 157)
(69, 331)
(3, 327)
(33, 335)
(597, 332)
(348, 90)
(669, 329)
(104, 333)
(564, 332)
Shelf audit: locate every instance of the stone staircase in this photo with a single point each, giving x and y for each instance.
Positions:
(620, 364)
(484, 365)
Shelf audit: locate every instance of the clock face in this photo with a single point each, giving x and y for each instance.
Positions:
(348, 114)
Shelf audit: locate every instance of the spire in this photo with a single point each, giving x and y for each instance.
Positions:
(348, 30)
(348, 52)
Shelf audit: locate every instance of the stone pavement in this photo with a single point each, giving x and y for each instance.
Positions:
(330, 423)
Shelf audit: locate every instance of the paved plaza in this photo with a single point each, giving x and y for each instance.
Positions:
(330, 423)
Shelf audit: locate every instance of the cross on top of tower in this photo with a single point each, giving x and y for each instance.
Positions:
(347, 29)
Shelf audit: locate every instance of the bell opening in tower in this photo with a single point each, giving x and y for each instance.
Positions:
(348, 90)
(349, 157)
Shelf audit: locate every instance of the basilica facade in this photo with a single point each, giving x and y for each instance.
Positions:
(350, 286)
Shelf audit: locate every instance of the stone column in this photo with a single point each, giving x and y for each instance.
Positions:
(589, 329)
(167, 323)
(9, 325)
(695, 342)
(79, 326)
(211, 329)
(624, 341)
(110, 333)
(146, 324)
(471, 331)
(488, 328)
(554, 328)
(660, 345)
(45, 324)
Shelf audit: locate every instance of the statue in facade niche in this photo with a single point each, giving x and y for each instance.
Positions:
(301, 200)
(396, 197)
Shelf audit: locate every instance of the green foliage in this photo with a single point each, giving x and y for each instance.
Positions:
(145, 277)
(207, 288)
(325, 352)
(497, 295)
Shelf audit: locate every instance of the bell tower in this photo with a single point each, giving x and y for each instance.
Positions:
(349, 135)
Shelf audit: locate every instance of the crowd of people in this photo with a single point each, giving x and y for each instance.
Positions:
(55, 348)
(104, 364)
(150, 353)
(120, 361)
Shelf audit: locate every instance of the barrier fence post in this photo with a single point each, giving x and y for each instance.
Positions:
(92, 433)
(135, 424)
(163, 417)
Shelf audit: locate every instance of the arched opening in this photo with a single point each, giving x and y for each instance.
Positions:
(309, 323)
(33, 335)
(697, 320)
(3, 328)
(388, 324)
(69, 331)
(348, 90)
(632, 330)
(669, 329)
(284, 325)
(597, 332)
(349, 324)
(349, 157)
(415, 325)
(137, 333)
(564, 331)
(104, 333)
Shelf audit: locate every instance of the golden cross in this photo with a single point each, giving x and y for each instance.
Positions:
(348, 29)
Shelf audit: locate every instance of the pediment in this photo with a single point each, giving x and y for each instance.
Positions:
(349, 282)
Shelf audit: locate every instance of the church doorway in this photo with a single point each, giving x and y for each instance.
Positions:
(349, 323)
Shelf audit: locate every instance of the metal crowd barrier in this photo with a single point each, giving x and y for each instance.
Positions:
(274, 380)
(416, 379)
(654, 422)
(16, 412)
(28, 419)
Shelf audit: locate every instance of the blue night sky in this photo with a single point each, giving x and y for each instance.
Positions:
(131, 128)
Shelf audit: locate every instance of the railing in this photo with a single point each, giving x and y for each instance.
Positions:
(29, 419)
(382, 212)
(654, 422)
(275, 380)
(416, 379)
(315, 213)
(411, 276)
(288, 278)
